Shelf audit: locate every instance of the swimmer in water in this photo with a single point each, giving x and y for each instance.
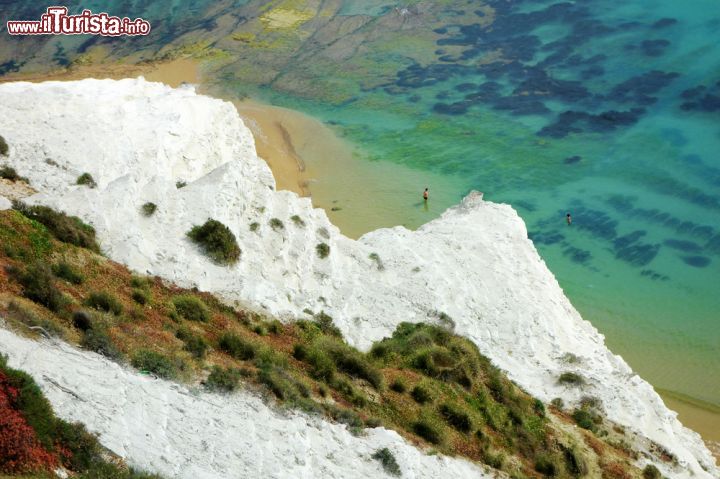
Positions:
(426, 194)
(568, 218)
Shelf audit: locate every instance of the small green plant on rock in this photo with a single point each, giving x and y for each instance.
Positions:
(149, 208)
(388, 461)
(571, 378)
(276, 224)
(298, 221)
(217, 241)
(323, 250)
(104, 301)
(86, 179)
(3, 147)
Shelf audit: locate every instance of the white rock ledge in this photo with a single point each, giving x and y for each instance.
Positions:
(474, 263)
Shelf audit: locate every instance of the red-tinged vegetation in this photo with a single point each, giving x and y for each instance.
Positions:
(20, 450)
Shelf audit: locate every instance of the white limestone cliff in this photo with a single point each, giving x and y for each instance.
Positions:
(474, 263)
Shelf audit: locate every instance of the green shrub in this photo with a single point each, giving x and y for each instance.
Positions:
(9, 173)
(275, 327)
(327, 325)
(428, 430)
(149, 208)
(254, 226)
(376, 257)
(86, 179)
(651, 472)
(571, 378)
(225, 380)
(156, 363)
(65, 271)
(38, 285)
(217, 241)
(3, 146)
(97, 339)
(544, 464)
(104, 301)
(298, 221)
(321, 365)
(350, 361)
(276, 224)
(455, 417)
(237, 347)
(584, 419)
(180, 184)
(68, 229)
(398, 385)
(82, 320)
(141, 282)
(140, 296)
(558, 403)
(191, 308)
(194, 344)
(387, 459)
(260, 330)
(421, 394)
(323, 250)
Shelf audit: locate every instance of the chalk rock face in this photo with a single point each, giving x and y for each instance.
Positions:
(180, 433)
(473, 268)
(5, 204)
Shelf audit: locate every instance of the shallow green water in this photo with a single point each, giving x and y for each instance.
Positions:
(462, 94)
(641, 260)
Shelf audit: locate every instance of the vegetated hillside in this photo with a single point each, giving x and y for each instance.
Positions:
(34, 442)
(433, 387)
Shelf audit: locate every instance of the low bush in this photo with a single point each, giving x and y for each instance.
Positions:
(82, 320)
(97, 339)
(191, 308)
(421, 394)
(104, 301)
(584, 419)
(323, 250)
(217, 241)
(254, 226)
(225, 380)
(65, 271)
(38, 285)
(327, 325)
(651, 472)
(149, 208)
(544, 464)
(156, 363)
(350, 361)
(140, 296)
(237, 347)
(86, 179)
(141, 282)
(9, 173)
(298, 221)
(376, 257)
(3, 146)
(558, 403)
(398, 385)
(456, 417)
(276, 224)
(571, 378)
(428, 430)
(387, 459)
(68, 229)
(194, 344)
(180, 184)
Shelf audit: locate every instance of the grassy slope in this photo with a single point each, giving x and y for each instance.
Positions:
(473, 410)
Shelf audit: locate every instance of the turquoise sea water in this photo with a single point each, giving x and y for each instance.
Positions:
(606, 109)
(637, 165)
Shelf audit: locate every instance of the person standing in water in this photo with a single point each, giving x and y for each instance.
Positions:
(568, 218)
(426, 194)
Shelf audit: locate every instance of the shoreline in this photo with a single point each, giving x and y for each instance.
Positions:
(297, 148)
